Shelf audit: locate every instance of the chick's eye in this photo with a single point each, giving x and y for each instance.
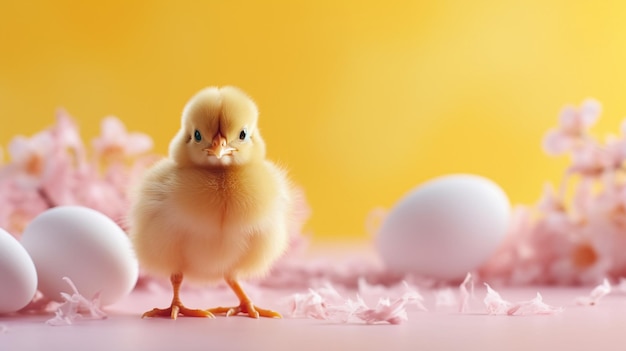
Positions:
(243, 134)
(197, 135)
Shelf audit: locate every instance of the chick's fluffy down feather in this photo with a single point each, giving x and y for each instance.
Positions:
(208, 221)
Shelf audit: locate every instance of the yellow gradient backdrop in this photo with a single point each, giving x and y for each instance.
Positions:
(362, 100)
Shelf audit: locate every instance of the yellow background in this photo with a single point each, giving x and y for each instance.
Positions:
(362, 100)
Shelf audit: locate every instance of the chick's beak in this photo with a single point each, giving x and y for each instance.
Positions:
(219, 148)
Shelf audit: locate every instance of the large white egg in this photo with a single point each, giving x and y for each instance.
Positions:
(445, 228)
(18, 278)
(85, 246)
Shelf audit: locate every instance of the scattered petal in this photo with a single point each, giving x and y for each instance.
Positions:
(76, 307)
(596, 294)
(412, 296)
(535, 306)
(494, 303)
(464, 293)
(328, 304)
(385, 311)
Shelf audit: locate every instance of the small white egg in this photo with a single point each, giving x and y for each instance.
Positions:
(85, 246)
(18, 277)
(445, 228)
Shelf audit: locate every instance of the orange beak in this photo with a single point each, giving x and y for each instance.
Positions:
(219, 148)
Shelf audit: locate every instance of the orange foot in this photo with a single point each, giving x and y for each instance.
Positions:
(245, 307)
(176, 309)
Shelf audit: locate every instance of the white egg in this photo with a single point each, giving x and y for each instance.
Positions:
(445, 228)
(85, 246)
(18, 278)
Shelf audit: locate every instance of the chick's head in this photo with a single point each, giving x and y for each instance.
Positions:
(218, 129)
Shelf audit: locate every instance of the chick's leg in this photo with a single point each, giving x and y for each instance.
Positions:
(245, 304)
(177, 306)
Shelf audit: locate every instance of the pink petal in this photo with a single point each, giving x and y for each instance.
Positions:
(588, 158)
(112, 128)
(66, 132)
(555, 142)
(385, 311)
(112, 134)
(138, 143)
(19, 148)
(327, 304)
(550, 201)
(596, 294)
(535, 306)
(465, 295)
(494, 303)
(75, 306)
(568, 118)
(412, 296)
(589, 112)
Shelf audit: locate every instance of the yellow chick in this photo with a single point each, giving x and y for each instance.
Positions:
(215, 208)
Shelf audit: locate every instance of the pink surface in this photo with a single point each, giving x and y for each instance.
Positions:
(441, 328)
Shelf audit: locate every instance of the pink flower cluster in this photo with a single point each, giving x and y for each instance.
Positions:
(53, 168)
(577, 233)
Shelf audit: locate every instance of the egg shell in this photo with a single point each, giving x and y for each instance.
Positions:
(85, 246)
(18, 277)
(445, 228)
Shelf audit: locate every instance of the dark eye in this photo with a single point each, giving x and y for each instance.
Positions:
(197, 135)
(242, 135)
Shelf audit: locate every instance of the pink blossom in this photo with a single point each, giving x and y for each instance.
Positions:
(115, 143)
(575, 235)
(573, 125)
(32, 159)
(66, 135)
(51, 168)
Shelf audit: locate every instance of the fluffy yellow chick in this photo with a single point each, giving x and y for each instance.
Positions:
(215, 208)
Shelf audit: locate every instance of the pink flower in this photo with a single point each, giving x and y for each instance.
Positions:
(66, 135)
(573, 126)
(115, 143)
(32, 159)
(592, 160)
(51, 168)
